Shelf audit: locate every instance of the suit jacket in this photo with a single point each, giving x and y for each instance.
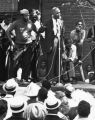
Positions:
(91, 33)
(53, 117)
(49, 35)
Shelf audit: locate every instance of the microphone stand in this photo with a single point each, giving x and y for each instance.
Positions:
(59, 84)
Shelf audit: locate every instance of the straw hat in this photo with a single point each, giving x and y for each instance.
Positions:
(10, 86)
(17, 105)
(52, 103)
(32, 90)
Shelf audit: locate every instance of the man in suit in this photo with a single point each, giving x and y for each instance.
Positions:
(91, 39)
(54, 32)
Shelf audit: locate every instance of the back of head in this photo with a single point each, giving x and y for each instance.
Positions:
(46, 84)
(83, 109)
(3, 107)
(42, 94)
(36, 111)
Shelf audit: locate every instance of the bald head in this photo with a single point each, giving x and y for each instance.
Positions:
(56, 12)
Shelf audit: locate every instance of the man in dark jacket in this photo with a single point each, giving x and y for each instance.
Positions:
(54, 34)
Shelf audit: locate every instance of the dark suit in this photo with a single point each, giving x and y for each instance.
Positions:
(91, 34)
(52, 117)
(51, 52)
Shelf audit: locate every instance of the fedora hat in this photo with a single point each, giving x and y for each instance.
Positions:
(52, 103)
(17, 104)
(10, 86)
(69, 87)
(32, 90)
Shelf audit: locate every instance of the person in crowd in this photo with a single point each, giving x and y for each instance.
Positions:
(3, 109)
(78, 36)
(41, 71)
(72, 104)
(17, 107)
(52, 105)
(10, 88)
(23, 46)
(54, 33)
(69, 57)
(91, 39)
(83, 110)
(64, 107)
(32, 92)
(46, 84)
(42, 94)
(37, 110)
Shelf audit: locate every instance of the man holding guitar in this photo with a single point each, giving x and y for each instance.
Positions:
(25, 32)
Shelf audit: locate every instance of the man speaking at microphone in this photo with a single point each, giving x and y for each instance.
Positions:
(54, 32)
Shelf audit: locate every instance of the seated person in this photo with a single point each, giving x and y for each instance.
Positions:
(69, 57)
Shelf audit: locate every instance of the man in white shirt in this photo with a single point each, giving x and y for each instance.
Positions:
(69, 58)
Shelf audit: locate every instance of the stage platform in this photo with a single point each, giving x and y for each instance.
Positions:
(80, 85)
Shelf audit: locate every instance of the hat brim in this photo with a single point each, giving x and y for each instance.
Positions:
(53, 107)
(9, 90)
(21, 109)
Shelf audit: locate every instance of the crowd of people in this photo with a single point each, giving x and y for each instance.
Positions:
(40, 102)
(33, 51)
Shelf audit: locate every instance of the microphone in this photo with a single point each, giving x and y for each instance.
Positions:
(63, 4)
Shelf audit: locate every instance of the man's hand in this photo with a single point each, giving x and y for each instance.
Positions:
(12, 45)
(55, 42)
(80, 43)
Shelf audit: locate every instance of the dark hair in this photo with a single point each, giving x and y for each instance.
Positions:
(46, 84)
(83, 109)
(42, 94)
(34, 14)
(3, 107)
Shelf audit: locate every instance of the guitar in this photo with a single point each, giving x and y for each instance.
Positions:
(18, 53)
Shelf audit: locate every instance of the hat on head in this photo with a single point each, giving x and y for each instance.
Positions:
(24, 12)
(32, 90)
(69, 87)
(52, 103)
(17, 104)
(10, 86)
(91, 72)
